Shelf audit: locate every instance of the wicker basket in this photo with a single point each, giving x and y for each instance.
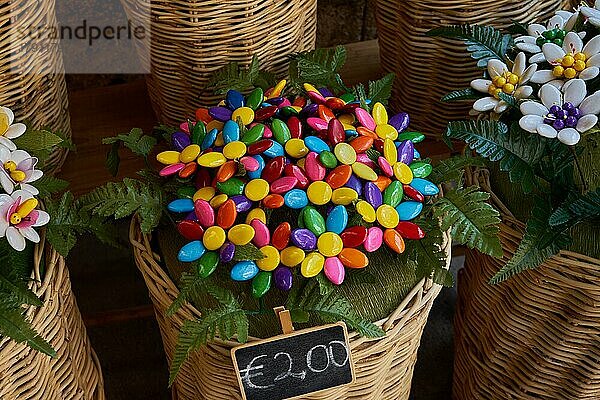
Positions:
(75, 373)
(536, 335)
(384, 367)
(29, 85)
(192, 39)
(441, 65)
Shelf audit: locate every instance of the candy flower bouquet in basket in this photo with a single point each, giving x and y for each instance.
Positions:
(301, 192)
(537, 105)
(30, 212)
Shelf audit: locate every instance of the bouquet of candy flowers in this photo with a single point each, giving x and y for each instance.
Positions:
(22, 187)
(289, 191)
(537, 106)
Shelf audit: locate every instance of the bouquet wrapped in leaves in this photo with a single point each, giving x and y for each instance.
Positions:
(27, 204)
(308, 195)
(537, 106)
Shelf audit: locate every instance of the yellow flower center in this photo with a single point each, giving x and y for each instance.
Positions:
(4, 125)
(569, 66)
(505, 83)
(23, 211)
(15, 174)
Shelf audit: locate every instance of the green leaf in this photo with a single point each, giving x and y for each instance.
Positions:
(540, 242)
(13, 285)
(196, 333)
(483, 42)
(233, 77)
(429, 257)
(508, 99)
(360, 93)
(113, 160)
(381, 90)
(123, 199)
(331, 307)
(470, 218)
(14, 325)
(452, 169)
(34, 141)
(319, 67)
(517, 151)
(517, 28)
(462, 94)
(577, 208)
(247, 252)
(49, 185)
(135, 141)
(69, 220)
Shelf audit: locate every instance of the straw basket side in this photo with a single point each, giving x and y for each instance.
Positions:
(384, 366)
(440, 65)
(75, 373)
(534, 336)
(192, 39)
(30, 86)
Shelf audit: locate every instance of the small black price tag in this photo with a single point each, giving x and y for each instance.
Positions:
(294, 364)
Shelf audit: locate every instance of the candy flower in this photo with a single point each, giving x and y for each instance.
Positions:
(563, 113)
(18, 168)
(592, 14)
(554, 32)
(18, 217)
(511, 82)
(310, 161)
(571, 60)
(8, 130)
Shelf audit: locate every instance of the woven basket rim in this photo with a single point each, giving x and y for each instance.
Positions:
(422, 294)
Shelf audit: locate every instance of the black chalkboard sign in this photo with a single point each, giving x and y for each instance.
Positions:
(294, 364)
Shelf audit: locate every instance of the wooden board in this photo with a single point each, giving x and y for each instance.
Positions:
(295, 364)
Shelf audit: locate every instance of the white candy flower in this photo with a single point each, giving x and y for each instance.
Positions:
(554, 32)
(563, 113)
(19, 217)
(503, 81)
(572, 60)
(8, 130)
(592, 14)
(18, 168)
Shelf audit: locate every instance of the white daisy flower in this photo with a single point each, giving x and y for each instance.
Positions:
(8, 130)
(563, 113)
(554, 32)
(18, 168)
(592, 14)
(19, 217)
(503, 81)
(572, 60)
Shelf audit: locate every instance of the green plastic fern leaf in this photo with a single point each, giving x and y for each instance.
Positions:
(540, 242)
(381, 90)
(70, 219)
(452, 169)
(516, 151)
(576, 209)
(430, 259)
(221, 321)
(320, 67)
(14, 326)
(14, 275)
(470, 218)
(462, 94)
(235, 77)
(331, 307)
(483, 42)
(123, 199)
(48, 185)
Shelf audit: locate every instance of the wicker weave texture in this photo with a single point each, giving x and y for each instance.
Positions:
(29, 85)
(534, 336)
(75, 373)
(384, 367)
(428, 68)
(192, 39)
